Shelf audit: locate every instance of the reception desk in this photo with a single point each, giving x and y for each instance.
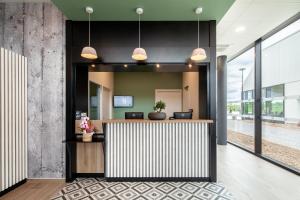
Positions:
(157, 150)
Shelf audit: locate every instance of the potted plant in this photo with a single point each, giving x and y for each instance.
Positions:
(87, 129)
(158, 114)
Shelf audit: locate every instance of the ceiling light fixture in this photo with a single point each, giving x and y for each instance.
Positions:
(190, 65)
(157, 66)
(93, 65)
(198, 54)
(125, 65)
(240, 29)
(88, 51)
(139, 53)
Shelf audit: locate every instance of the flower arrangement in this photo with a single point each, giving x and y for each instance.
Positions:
(87, 128)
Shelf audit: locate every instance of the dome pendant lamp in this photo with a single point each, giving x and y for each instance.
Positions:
(139, 54)
(88, 51)
(198, 54)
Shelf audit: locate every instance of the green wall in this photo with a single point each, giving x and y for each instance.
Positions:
(142, 86)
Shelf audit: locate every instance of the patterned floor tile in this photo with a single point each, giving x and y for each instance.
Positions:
(154, 194)
(102, 195)
(166, 187)
(180, 194)
(87, 182)
(128, 194)
(71, 187)
(94, 188)
(214, 188)
(205, 194)
(99, 189)
(76, 195)
(141, 188)
(117, 188)
(188, 187)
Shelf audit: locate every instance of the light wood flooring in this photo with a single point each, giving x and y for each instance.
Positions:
(37, 189)
(246, 176)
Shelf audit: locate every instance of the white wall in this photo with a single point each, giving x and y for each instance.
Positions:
(281, 62)
(106, 79)
(292, 105)
(190, 97)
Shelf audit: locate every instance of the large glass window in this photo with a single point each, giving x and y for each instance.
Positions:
(281, 96)
(240, 103)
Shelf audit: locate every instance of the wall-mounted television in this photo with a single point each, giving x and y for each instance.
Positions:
(123, 101)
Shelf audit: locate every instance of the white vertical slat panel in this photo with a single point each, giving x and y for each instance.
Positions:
(9, 115)
(108, 151)
(17, 117)
(2, 119)
(23, 117)
(6, 119)
(157, 149)
(25, 114)
(207, 151)
(13, 116)
(20, 117)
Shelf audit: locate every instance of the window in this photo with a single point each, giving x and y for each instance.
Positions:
(280, 96)
(240, 104)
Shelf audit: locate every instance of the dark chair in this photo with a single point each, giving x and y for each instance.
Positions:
(134, 115)
(182, 115)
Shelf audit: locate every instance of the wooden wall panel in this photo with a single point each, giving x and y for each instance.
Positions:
(90, 158)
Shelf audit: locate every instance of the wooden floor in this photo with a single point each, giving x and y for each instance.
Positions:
(248, 177)
(245, 175)
(35, 190)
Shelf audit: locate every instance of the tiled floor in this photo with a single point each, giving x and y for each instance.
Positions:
(94, 189)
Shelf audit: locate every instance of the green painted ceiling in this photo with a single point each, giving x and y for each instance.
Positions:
(154, 10)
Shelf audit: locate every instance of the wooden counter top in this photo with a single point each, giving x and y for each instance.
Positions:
(155, 121)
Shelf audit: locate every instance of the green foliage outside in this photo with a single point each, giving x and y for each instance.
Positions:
(233, 107)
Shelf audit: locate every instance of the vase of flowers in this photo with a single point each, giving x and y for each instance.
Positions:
(158, 114)
(87, 129)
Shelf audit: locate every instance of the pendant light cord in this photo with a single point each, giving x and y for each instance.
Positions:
(89, 29)
(139, 30)
(198, 31)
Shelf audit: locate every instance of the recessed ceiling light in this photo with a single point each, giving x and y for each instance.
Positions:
(190, 65)
(125, 65)
(240, 29)
(157, 65)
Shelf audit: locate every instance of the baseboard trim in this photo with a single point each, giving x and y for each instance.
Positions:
(46, 178)
(159, 179)
(11, 188)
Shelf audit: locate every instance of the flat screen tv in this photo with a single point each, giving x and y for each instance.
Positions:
(123, 101)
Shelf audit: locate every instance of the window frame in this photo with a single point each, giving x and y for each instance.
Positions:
(258, 98)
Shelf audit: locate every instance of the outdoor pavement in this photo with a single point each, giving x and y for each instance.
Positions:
(285, 136)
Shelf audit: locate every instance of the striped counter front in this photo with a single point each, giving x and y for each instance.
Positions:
(159, 150)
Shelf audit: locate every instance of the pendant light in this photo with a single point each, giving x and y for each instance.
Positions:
(198, 54)
(139, 53)
(88, 51)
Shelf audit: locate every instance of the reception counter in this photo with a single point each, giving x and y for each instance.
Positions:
(157, 150)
